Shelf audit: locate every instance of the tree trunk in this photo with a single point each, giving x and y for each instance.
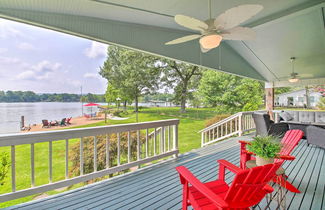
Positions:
(124, 105)
(183, 97)
(136, 103)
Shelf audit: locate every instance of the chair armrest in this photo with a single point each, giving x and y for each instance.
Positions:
(244, 142)
(231, 167)
(190, 178)
(223, 164)
(268, 188)
(286, 157)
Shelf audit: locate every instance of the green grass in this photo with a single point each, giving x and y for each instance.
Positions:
(190, 123)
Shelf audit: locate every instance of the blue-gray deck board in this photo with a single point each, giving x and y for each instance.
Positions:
(158, 187)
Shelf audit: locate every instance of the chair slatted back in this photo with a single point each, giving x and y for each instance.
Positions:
(289, 142)
(248, 184)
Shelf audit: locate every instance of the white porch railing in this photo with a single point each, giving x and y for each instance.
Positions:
(236, 124)
(159, 140)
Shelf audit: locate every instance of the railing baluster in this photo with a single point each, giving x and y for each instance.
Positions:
(67, 158)
(118, 149)
(50, 161)
(226, 128)
(175, 143)
(129, 147)
(138, 145)
(169, 137)
(107, 150)
(95, 154)
(13, 168)
(164, 138)
(154, 141)
(32, 164)
(81, 156)
(218, 131)
(147, 139)
(161, 140)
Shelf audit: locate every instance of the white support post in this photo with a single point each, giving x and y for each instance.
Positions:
(175, 143)
(118, 149)
(240, 128)
(50, 161)
(32, 164)
(129, 147)
(95, 154)
(67, 158)
(13, 168)
(107, 151)
(81, 156)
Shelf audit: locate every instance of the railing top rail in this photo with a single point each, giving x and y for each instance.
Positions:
(36, 137)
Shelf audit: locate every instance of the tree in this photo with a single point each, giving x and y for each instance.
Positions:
(132, 73)
(230, 93)
(182, 77)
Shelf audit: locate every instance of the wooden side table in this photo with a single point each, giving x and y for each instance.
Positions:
(280, 192)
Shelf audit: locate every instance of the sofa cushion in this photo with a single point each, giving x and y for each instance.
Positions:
(320, 117)
(295, 115)
(286, 116)
(306, 116)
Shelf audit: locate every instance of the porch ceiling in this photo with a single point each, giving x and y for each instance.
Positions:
(284, 29)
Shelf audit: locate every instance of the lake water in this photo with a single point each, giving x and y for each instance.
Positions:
(10, 113)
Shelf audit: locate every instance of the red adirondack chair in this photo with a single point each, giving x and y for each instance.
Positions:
(289, 141)
(248, 188)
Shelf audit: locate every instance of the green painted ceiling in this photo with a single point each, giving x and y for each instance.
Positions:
(285, 28)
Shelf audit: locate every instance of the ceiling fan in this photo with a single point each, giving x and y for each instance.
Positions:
(294, 76)
(224, 27)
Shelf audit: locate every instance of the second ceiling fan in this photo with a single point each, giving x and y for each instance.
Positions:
(224, 27)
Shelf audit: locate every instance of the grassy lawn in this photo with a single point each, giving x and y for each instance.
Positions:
(190, 123)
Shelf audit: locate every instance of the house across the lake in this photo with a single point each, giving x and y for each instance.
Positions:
(298, 98)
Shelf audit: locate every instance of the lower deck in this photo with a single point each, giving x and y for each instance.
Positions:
(158, 186)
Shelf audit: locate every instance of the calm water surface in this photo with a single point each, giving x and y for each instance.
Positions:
(10, 113)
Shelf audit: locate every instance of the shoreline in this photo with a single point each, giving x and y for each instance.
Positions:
(75, 121)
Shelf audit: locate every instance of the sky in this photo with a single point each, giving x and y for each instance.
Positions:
(45, 61)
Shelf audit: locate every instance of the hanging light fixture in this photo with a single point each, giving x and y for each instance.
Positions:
(210, 41)
(293, 78)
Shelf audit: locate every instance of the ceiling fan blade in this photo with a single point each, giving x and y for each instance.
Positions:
(183, 39)
(236, 15)
(191, 23)
(305, 75)
(239, 33)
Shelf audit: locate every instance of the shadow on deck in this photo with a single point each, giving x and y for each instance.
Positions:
(158, 186)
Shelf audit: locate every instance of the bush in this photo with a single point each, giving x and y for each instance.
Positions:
(88, 152)
(321, 103)
(215, 119)
(4, 166)
(265, 146)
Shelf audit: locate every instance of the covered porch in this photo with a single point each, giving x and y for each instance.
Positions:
(284, 29)
(158, 186)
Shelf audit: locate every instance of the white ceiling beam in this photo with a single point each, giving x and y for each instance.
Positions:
(300, 83)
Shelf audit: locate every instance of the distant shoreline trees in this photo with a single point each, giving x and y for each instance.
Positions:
(30, 96)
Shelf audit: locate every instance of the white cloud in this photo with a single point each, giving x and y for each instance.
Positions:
(26, 46)
(96, 50)
(7, 31)
(40, 71)
(9, 60)
(27, 75)
(91, 75)
(3, 50)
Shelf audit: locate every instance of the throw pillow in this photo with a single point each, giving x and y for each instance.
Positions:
(286, 116)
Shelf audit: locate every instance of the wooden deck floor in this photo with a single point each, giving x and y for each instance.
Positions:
(158, 187)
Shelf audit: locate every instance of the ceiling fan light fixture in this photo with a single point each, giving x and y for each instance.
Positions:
(293, 80)
(210, 41)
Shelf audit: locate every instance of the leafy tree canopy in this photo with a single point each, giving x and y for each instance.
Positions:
(230, 93)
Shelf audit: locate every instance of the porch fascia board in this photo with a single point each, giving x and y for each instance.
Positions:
(139, 37)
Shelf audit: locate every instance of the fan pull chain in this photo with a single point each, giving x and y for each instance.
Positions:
(220, 57)
(210, 16)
